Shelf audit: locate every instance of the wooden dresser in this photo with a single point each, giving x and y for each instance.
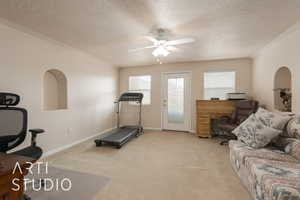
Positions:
(211, 109)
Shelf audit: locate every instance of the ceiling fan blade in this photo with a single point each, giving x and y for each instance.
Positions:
(172, 48)
(152, 39)
(139, 49)
(180, 41)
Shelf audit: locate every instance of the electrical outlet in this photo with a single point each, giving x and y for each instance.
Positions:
(69, 131)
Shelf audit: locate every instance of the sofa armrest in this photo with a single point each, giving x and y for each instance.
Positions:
(293, 148)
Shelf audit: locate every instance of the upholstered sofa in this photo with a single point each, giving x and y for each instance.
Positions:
(272, 172)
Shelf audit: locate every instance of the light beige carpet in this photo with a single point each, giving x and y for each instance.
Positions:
(62, 184)
(158, 166)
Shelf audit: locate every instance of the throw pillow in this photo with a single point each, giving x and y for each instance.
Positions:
(272, 119)
(254, 133)
(293, 128)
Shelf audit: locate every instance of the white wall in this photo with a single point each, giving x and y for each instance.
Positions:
(152, 113)
(283, 51)
(92, 87)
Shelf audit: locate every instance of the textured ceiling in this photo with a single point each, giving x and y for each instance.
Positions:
(109, 28)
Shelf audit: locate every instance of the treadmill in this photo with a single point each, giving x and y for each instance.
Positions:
(121, 135)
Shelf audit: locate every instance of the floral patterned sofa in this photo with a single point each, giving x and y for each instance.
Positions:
(273, 172)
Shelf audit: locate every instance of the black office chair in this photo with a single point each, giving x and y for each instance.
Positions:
(224, 125)
(13, 128)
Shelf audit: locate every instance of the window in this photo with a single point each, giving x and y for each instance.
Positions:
(141, 84)
(218, 84)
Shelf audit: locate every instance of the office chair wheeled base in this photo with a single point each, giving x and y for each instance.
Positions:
(26, 197)
(224, 142)
(227, 138)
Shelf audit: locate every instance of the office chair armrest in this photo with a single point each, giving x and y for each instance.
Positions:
(34, 133)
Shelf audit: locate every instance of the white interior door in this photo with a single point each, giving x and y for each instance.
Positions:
(176, 110)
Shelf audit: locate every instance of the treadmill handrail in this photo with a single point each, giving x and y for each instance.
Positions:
(131, 96)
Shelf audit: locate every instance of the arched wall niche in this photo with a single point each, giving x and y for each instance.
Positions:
(282, 89)
(55, 90)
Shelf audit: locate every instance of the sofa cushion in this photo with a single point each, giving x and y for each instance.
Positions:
(268, 173)
(272, 119)
(254, 133)
(242, 151)
(272, 179)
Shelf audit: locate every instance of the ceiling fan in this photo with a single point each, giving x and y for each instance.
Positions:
(161, 45)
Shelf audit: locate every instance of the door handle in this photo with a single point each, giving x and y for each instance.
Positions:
(164, 103)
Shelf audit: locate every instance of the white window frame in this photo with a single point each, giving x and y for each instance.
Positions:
(204, 88)
(141, 90)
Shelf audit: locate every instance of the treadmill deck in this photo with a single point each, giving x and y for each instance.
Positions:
(120, 134)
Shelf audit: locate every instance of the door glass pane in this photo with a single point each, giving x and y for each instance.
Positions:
(176, 100)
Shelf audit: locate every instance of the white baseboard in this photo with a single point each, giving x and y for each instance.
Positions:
(152, 129)
(59, 149)
(160, 129)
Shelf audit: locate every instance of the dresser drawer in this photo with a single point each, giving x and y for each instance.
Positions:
(203, 133)
(203, 120)
(203, 127)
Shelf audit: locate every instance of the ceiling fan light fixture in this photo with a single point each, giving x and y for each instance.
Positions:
(160, 51)
(162, 46)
